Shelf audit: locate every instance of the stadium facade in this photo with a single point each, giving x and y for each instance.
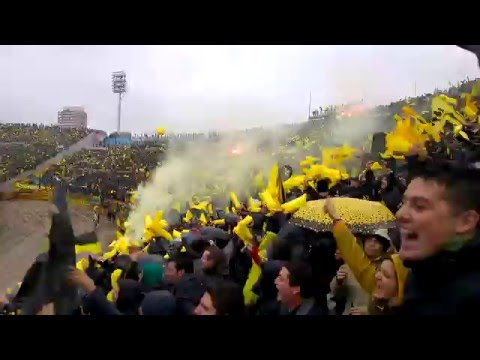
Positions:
(72, 117)
(118, 138)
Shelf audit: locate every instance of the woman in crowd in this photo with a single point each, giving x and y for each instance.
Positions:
(344, 287)
(382, 279)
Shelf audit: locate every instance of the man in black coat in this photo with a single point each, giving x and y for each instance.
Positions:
(295, 285)
(440, 242)
(44, 282)
(184, 285)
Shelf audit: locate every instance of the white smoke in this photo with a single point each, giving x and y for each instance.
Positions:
(230, 163)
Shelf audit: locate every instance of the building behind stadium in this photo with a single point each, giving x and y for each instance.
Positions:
(72, 117)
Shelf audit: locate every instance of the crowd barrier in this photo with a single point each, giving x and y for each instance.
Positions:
(46, 194)
(39, 194)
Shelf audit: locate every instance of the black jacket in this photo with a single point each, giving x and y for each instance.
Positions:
(308, 307)
(188, 292)
(269, 308)
(96, 303)
(448, 283)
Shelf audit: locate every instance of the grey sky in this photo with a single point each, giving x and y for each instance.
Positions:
(195, 88)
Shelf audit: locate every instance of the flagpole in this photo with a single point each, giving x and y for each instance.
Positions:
(309, 106)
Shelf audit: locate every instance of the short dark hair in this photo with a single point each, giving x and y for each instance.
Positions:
(216, 255)
(182, 261)
(461, 184)
(227, 297)
(301, 275)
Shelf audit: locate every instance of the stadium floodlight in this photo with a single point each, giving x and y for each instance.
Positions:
(119, 86)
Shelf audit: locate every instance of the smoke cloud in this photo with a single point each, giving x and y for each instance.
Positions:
(228, 164)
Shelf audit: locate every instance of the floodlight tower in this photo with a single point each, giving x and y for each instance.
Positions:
(119, 86)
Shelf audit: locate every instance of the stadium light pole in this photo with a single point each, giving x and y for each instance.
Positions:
(119, 86)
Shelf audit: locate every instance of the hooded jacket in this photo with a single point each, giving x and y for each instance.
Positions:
(152, 276)
(447, 283)
(361, 266)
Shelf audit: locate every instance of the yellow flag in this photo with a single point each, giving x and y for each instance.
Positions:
(275, 185)
(292, 206)
(476, 89)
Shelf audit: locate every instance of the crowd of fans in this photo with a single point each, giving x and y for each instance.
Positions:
(288, 247)
(107, 172)
(254, 261)
(24, 146)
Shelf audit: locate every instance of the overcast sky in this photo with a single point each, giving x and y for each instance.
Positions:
(198, 88)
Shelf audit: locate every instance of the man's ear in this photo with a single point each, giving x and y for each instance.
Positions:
(467, 222)
(295, 289)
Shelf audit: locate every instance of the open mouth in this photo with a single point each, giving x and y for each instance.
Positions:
(408, 235)
(412, 236)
